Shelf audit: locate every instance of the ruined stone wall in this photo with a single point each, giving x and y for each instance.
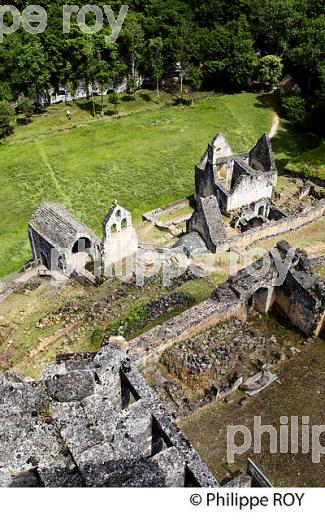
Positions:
(218, 147)
(260, 156)
(39, 246)
(224, 170)
(204, 185)
(208, 222)
(191, 322)
(120, 239)
(298, 304)
(154, 215)
(92, 422)
(274, 228)
(249, 187)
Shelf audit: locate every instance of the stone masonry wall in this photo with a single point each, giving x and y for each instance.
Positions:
(274, 228)
(187, 324)
(92, 422)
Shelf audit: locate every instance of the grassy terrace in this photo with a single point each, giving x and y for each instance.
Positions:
(144, 160)
(28, 348)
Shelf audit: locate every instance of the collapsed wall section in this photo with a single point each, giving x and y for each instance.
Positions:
(92, 421)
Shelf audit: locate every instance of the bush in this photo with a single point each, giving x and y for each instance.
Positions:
(270, 70)
(26, 107)
(96, 337)
(132, 85)
(125, 326)
(294, 108)
(7, 118)
(114, 100)
(305, 171)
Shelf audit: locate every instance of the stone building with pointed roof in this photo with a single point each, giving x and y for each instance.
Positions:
(63, 244)
(237, 180)
(58, 239)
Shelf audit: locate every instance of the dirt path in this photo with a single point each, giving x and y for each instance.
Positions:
(275, 126)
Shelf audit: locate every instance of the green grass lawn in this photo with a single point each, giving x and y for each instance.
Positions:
(311, 163)
(144, 160)
(54, 119)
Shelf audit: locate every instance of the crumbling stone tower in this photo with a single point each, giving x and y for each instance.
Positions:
(237, 181)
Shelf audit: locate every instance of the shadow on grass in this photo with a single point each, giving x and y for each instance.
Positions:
(146, 97)
(87, 106)
(127, 98)
(182, 101)
(289, 142)
(269, 100)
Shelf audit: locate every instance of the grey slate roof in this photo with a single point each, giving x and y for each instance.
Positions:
(191, 242)
(212, 215)
(61, 229)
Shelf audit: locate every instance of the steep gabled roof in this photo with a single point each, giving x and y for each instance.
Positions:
(210, 211)
(59, 227)
(261, 155)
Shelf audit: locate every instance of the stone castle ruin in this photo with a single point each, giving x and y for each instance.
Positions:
(66, 246)
(289, 283)
(241, 186)
(92, 421)
(298, 294)
(228, 184)
(237, 181)
(214, 348)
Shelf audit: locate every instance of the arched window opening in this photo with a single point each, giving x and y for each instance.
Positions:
(83, 244)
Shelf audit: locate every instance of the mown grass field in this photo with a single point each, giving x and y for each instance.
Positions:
(144, 160)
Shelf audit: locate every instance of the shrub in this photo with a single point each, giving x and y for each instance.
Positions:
(114, 100)
(96, 337)
(132, 85)
(305, 171)
(26, 107)
(7, 118)
(294, 108)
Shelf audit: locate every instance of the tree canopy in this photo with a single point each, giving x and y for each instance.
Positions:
(228, 43)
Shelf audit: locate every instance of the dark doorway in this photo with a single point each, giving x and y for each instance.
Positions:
(82, 245)
(44, 260)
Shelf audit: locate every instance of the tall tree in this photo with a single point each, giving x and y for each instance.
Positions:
(270, 70)
(183, 47)
(156, 60)
(133, 41)
(7, 118)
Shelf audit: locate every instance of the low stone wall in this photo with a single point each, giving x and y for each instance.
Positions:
(187, 324)
(274, 228)
(153, 216)
(7, 285)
